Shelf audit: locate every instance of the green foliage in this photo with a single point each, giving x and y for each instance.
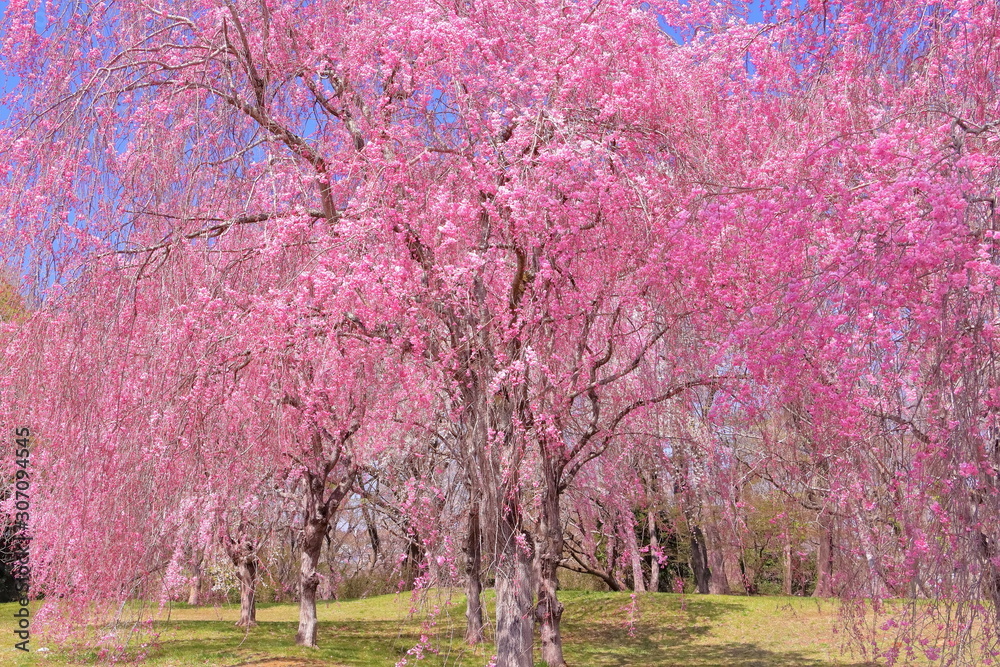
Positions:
(12, 306)
(368, 584)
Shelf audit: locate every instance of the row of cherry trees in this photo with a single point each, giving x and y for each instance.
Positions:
(668, 536)
(492, 265)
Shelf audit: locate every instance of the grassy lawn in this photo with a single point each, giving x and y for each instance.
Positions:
(667, 630)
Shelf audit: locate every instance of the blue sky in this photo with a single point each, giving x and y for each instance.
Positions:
(6, 82)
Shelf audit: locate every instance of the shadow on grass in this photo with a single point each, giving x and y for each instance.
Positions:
(741, 654)
(642, 651)
(668, 633)
(342, 643)
(600, 630)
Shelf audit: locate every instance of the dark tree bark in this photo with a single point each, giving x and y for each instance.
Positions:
(748, 578)
(824, 559)
(473, 578)
(606, 576)
(699, 560)
(635, 558)
(372, 533)
(654, 544)
(414, 558)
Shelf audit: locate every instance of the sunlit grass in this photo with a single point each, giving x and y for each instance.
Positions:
(601, 629)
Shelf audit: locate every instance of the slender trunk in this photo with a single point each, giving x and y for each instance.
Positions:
(654, 552)
(991, 578)
(473, 578)
(246, 572)
(312, 545)
(718, 582)
(372, 533)
(989, 545)
(699, 560)
(194, 592)
(824, 560)
(549, 609)
(612, 560)
(638, 585)
(515, 621)
(786, 579)
(748, 577)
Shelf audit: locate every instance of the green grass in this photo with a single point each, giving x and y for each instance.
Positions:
(668, 630)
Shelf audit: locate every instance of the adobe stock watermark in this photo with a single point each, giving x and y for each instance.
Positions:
(21, 540)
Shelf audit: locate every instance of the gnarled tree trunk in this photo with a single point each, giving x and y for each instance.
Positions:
(320, 507)
(312, 546)
(515, 617)
(246, 572)
(243, 553)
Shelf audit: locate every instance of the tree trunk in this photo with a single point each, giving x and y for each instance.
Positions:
(731, 567)
(699, 560)
(654, 549)
(550, 548)
(748, 575)
(824, 560)
(194, 592)
(718, 582)
(372, 533)
(473, 578)
(312, 545)
(638, 583)
(320, 508)
(246, 572)
(414, 559)
(786, 562)
(515, 621)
